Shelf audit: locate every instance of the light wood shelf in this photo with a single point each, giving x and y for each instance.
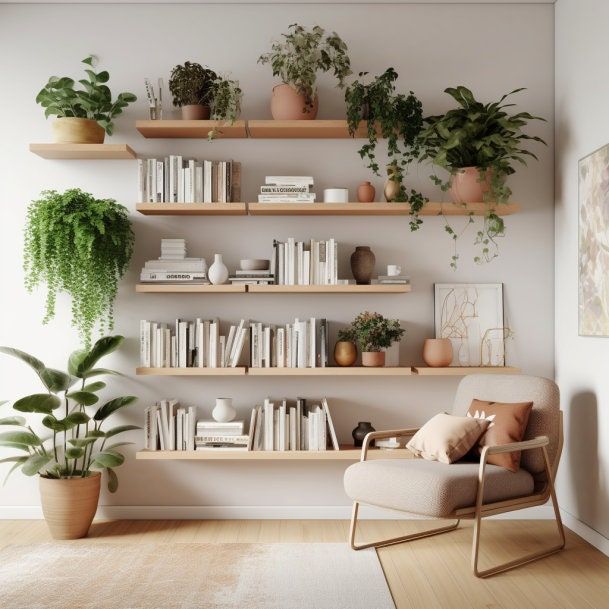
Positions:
(192, 209)
(375, 288)
(83, 151)
(239, 371)
(332, 371)
(464, 371)
(316, 129)
(181, 288)
(190, 129)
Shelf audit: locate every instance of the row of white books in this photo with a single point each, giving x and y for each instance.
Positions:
(168, 426)
(175, 179)
(187, 344)
(301, 344)
(300, 263)
(287, 189)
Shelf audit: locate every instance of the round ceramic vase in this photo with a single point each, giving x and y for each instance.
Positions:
(469, 185)
(362, 264)
(223, 412)
(289, 105)
(366, 192)
(360, 432)
(437, 352)
(345, 353)
(217, 272)
(373, 359)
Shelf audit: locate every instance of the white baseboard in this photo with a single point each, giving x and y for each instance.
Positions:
(592, 536)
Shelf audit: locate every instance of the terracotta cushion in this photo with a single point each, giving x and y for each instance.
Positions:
(507, 423)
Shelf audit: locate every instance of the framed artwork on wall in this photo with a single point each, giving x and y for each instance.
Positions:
(593, 254)
(471, 316)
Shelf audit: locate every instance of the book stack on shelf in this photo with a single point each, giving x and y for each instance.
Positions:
(175, 179)
(302, 344)
(190, 344)
(287, 189)
(214, 435)
(173, 266)
(392, 280)
(299, 263)
(242, 277)
(168, 426)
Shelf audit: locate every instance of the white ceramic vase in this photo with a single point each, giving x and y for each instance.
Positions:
(224, 411)
(217, 273)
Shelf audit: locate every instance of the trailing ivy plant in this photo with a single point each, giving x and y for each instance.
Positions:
(60, 98)
(304, 52)
(79, 444)
(479, 135)
(81, 245)
(225, 102)
(396, 117)
(192, 84)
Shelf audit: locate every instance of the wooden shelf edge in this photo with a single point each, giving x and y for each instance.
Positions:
(83, 151)
(464, 370)
(239, 371)
(198, 129)
(374, 288)
(332, 371)
(192, 209)
(181, 288)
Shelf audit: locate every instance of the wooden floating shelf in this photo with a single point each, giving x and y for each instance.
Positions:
(163, 288)
(332, 371)
(190, 129)
(375, 288)
(316, 129)
(192, 209)
(464, 371)
(240, 371)
(83, 151)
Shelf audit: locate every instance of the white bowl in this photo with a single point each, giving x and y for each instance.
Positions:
(255, 264)
(336, 195)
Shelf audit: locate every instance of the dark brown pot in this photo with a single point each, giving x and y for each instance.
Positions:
(345, 353)
(362, 264)
(361, 431)
(373, 359)
(195, 112)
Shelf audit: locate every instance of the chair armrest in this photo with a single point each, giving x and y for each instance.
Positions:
(514, 446)
(379, 435)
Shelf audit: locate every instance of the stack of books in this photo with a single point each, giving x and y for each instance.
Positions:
(212, 435)
(167, 426)
(302, 344)
(175, 179)
(299, 263)
(287, 189)
(173, 266)
(393, 279)
(252, 277)
(191, 344)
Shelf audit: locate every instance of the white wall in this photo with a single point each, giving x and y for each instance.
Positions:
(432, 47)
(582, 125)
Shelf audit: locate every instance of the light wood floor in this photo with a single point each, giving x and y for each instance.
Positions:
(431, 573)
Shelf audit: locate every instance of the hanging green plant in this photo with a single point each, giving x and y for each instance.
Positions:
(225, 102)
(81, 245)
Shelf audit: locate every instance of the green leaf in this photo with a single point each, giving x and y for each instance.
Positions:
(112, 480)
(117, 444)
(120, 429)
(30, 360)
(95, 433)
(107, 458)
(85, 398)
(18, 462)
(12, 421)
(77, 418)
(19, 459)
(34, 464)
(100, 372)
(95, 386)
(101, 348)
(112, 406)
(51, 422)
(75, 362)
(15, 445)
(55, 380)
(81, 442)
(75, 453)
(42, 403)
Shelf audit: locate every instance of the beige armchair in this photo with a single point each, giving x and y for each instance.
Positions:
(468, 490)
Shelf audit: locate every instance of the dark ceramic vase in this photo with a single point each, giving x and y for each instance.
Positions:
(362, 264)
(359, 433)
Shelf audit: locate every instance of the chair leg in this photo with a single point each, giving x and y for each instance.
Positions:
(394, 540)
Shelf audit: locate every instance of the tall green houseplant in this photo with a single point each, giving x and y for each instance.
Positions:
(81, 245)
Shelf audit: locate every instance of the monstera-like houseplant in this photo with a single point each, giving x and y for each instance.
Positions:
(86, 113)
(373, 333)
(192, 88)
(75, 442)
(296, 60)
(81, 245)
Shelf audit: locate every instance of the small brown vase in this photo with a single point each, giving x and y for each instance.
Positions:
(71, 130)
(362, 264)
(195, 112)
(470, 185)
(437, 352)
(360, 432)
(345, 353)
(365, 192)
(289, 105)
(373, 359)
(69, 504)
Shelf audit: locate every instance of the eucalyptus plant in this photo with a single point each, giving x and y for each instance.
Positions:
(302, 54)
(59, 97)
(373, 332)
(81, 245)
(192, 84)
(225, 102)
(77, 443)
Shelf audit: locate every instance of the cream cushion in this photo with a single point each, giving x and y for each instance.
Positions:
(430, 488)
(447, 438)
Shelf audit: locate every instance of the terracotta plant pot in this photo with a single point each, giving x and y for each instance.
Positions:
(69, 505)
(469, 185)
(366, 192)
(288, 105)
(345, 353)
(373, 359)
(362, 264)
(70, 130)
(195, 112)
(437, 352)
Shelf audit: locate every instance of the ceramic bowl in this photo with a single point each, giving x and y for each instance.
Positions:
(254, 264)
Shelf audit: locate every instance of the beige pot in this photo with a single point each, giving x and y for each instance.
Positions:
(345, 353)
(373, 359)
(437, 352)
(69, 505)
(470, 185)
(289, 105)
(195, 112)
(70, 130)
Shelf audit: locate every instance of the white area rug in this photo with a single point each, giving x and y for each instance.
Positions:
(85, 575)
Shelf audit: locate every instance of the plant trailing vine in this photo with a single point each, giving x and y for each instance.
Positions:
(396, 117)
(81, 245)
(192, 84)
(225, 101)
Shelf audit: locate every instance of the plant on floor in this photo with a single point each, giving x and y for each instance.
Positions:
(191, 84)
(479, 142)
(225, 101)
(373, 332)
(81, 245)
(78, 445)
(394, 116)
(60, 98)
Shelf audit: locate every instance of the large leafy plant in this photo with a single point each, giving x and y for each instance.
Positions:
(60, 97)
(79, 441)
(192, 84)
(80, 245)
(304, 52)
(373, 332)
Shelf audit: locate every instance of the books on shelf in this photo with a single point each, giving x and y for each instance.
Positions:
(173, 266)
(252, 277)
(305, 263)
(287, 189)
(175, 179)
(213, 435)
(169, 426)
(393, 279)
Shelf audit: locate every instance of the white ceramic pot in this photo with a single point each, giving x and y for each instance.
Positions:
(336, 195)
(217, 273)
(224, 411)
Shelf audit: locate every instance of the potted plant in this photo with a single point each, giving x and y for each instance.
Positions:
(397, 118)
(81, 245)
(296, 60)
(84, 115)
(225, 102)
(345, 350)
(373, 333)
(69, 461)
(192, 87)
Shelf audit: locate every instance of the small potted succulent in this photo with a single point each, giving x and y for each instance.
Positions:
(345, 350)
(373, 333)
(225, 102)
(77, 445)
(84, 115)
(192, 88)
(296, 60)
